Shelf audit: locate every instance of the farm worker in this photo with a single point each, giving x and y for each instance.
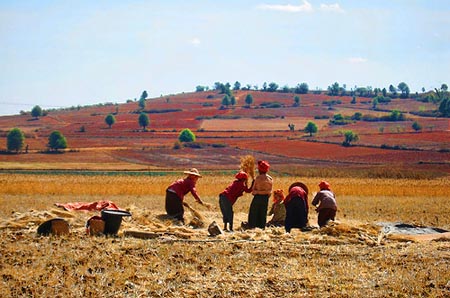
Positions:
(262, 189)
(296, 203)
(177, 190)
(278, 210)
(325, 201)
(229, 196)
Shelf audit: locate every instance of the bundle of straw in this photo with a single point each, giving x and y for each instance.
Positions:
(248, 165)
(195, 213)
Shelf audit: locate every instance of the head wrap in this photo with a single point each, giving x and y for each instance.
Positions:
(278, 195)
(263, 166)
(324, 185)
(241, 175)
(297, 191)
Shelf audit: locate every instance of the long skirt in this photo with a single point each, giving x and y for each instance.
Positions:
(174, 206)
(296, 214)
(227, 210)
(257, 214)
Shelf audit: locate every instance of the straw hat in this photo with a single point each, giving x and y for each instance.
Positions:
(193, 171)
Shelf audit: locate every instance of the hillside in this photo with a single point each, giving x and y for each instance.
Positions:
(225, 134)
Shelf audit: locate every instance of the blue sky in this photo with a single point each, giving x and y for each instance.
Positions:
(67, 53)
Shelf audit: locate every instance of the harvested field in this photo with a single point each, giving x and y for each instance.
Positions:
(349, 258)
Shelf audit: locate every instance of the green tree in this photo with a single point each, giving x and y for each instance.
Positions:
(142, 103)
(143, 120)
(15, 140)
(393, 91)
(199, 88)
(302, 88)
(36, 112)
(403, 87)
(249, 99)
(333, 90)
(233, 100)
(375, 103)
(311, 128)
(186, 135)
(349, 137)
(110, 120)
(237, 86)
(57, 141)
(296, 101)
(353, 100)
(273, 87)
(416, 126)
(226, 100)
(144, 95)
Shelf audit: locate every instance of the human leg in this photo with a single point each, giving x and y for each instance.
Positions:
(227, 211)
(174, 206)
(325, 215)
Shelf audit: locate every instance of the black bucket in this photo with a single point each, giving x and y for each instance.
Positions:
(113, 219)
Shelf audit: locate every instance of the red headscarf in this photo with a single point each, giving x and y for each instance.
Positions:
(324, 185)
(263, 166)
(241, 175)
(278, 195)
(297, 191)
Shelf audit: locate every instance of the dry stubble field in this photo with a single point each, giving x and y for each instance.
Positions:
(349, 258)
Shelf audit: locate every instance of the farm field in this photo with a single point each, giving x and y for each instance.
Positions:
(224, 134)
(348, 258)
(392, 174)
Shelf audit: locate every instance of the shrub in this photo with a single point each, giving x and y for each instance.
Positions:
(186, 135)
(15, 140)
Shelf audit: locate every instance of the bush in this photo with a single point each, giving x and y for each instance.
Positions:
(271, 105)
(15, 139)
(186, 135)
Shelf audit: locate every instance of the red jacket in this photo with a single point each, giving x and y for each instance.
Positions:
(182, 186)
(235, 190)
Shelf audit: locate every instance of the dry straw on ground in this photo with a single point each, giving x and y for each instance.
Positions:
(352, 257)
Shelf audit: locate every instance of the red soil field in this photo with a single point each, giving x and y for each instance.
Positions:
(235, 131)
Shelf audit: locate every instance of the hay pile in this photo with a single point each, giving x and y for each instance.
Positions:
(248, 165)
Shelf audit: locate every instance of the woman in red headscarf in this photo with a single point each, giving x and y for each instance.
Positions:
(262, 189)
(229, 196)
(278, 210)
(325, 201)
(296, 203)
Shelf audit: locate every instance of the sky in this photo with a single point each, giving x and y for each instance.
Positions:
(63, 53)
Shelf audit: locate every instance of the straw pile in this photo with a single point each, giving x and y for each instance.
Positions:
(248, 165)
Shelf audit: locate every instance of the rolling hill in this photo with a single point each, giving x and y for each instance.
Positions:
(224, 134)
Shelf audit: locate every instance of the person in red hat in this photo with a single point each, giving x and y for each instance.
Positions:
(262, 189)
(297, 207)
(325, 201)
(229, 196)
(178, 189)
(278, 210)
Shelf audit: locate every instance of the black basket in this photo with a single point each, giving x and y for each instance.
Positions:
(113, 220)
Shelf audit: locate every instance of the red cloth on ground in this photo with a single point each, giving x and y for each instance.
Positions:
(93, 206)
